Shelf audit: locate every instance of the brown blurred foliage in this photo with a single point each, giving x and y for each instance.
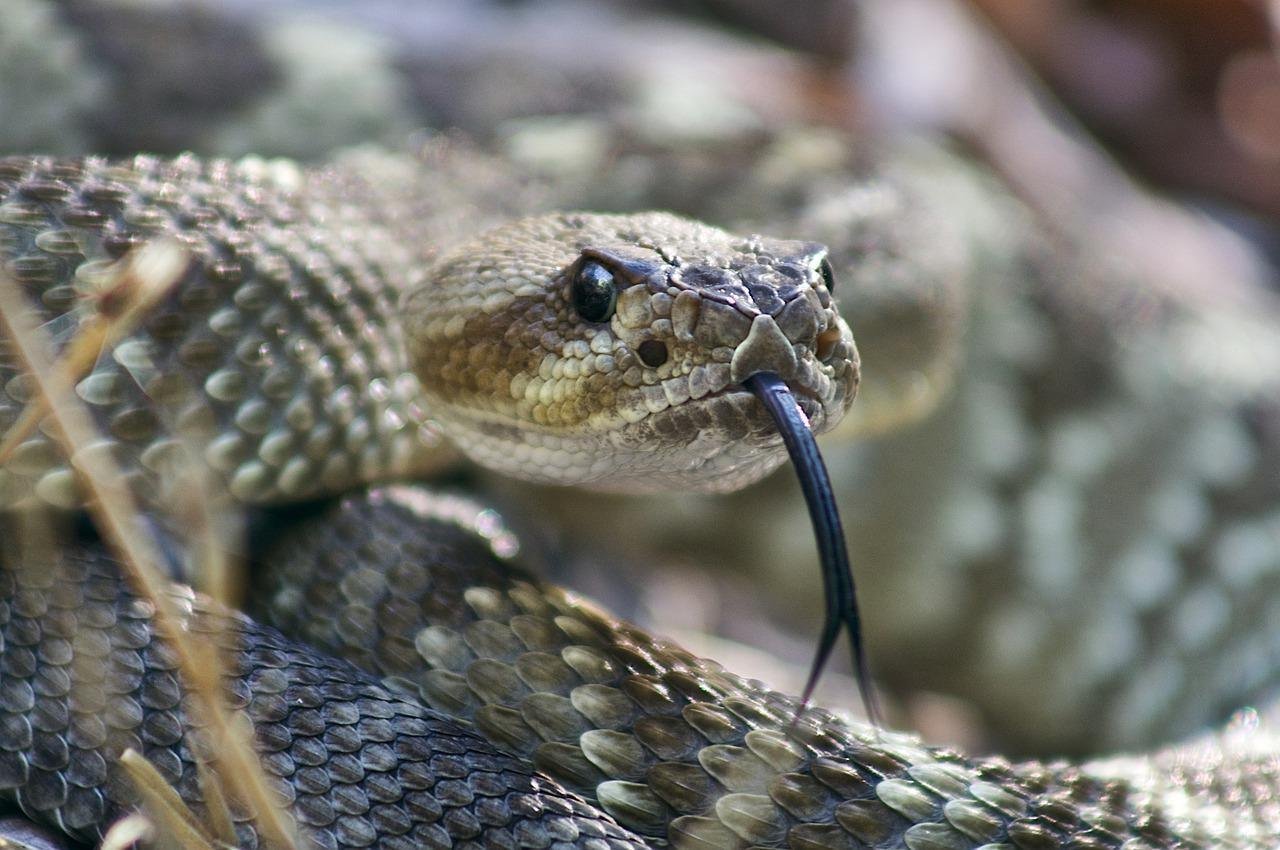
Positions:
(1186, 91)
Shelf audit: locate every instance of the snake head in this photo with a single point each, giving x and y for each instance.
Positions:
(610, 350)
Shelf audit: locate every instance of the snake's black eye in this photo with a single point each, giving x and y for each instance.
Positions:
(828, 275)
(594, 297)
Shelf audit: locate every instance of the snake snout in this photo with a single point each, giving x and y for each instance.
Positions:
(766, 349)
(807, 345)
(802, 328)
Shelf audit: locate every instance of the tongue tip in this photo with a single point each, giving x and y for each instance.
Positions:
(839, 589)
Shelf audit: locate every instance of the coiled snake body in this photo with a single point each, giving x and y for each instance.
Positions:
(318, 329)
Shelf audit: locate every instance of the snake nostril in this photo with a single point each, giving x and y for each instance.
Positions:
(826, 343)
(652, 352)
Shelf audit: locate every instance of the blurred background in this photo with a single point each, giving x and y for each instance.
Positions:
(1056, 226)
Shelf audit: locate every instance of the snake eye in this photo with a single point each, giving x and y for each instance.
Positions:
(594, 297)
(828, 275)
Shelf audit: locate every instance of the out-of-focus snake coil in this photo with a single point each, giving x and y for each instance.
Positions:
(480, 699)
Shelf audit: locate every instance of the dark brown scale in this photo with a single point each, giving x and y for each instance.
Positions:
(34, 269)
(106, 193)
(14, 169)
(82, 216)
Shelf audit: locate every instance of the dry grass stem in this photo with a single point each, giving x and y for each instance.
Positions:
(132, 285)
(115, 513)
(217, 812)
(129, 831)
(175, 824)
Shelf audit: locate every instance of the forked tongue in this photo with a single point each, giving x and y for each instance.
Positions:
(837, 576)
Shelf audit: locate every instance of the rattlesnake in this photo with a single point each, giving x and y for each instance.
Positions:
(666, 743)
(877, 817)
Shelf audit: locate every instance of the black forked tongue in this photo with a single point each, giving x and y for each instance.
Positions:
(837, 576)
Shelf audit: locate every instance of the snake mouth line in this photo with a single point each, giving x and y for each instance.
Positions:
(809, 400)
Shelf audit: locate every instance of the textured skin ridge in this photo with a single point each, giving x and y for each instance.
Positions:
(673, 746)
(85, 676)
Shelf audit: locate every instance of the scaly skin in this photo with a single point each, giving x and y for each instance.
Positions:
(267, 354)
(1080, 539)
(671, 745)
(304, 349)
(85, 677)
(913, 499)
(309, 337)
(674, 746)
